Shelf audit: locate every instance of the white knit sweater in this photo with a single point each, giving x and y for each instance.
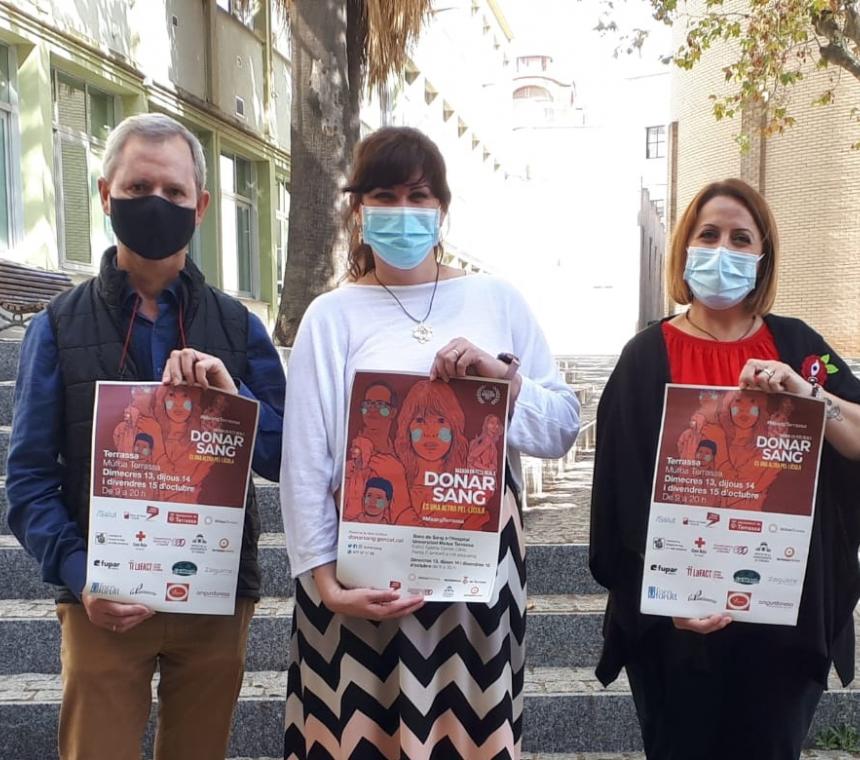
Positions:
(362, 327)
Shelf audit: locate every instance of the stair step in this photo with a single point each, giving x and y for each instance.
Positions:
(7, 398)
(565, 711)
(563, 630)
(10, 350)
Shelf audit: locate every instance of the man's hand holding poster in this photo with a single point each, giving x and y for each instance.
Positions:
(422, 485)
(170, 469)
(732, 504)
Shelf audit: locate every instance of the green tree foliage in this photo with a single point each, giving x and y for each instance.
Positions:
(778, 42)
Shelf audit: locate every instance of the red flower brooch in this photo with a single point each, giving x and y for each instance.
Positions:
(816, 368)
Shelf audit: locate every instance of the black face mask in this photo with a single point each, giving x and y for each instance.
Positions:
(151, 226)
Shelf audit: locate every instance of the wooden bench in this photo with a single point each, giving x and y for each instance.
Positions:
(25, 291)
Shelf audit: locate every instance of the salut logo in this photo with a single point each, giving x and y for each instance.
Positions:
(151, 512)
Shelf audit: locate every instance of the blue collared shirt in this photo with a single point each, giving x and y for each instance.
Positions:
(36, 513)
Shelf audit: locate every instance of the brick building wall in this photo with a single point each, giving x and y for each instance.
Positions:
(809, 175)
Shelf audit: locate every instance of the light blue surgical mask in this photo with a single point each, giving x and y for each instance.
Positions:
(720, 278)
(401, 236)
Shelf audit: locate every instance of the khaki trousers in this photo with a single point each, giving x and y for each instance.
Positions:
(107, 684)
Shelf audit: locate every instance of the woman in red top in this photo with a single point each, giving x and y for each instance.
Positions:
(705, 689)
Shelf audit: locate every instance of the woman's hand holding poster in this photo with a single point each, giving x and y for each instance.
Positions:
(170, 467)
(732, 505)
(423, 481)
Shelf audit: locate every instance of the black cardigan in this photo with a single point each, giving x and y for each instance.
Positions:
(628, 426)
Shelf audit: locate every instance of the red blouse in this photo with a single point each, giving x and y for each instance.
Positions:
(699, 361)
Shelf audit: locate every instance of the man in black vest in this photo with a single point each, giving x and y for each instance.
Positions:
(148, 316)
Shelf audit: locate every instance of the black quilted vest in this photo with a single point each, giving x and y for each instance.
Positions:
(90, 330)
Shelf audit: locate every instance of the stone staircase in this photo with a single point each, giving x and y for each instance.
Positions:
(567, 712)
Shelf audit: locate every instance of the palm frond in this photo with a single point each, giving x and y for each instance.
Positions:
(390, 27)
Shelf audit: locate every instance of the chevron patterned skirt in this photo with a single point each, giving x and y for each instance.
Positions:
(443, 683)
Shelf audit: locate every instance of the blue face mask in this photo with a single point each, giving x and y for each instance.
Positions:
(720, 278)
(401, 236)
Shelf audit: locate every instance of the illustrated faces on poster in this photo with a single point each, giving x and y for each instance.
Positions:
(431, 436)
(377, 408)
(709, 405)
(745, 410)
(706, 452)
(360, 452)
(143, 444)
(786, 407)
(492, 426)
(178, 404)
(377, 497)
(141, 397)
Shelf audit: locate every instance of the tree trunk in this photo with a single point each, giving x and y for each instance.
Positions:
(326, 81)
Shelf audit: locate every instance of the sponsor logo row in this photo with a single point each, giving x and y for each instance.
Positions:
(141, 540)
(745, 577)
(173, 592)
(174, 518)
(736, 524)
(761, 552)
(183, 568)
(736, 600)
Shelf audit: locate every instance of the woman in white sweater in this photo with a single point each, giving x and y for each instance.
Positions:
(373, 673)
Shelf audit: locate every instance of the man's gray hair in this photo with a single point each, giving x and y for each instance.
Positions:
(156, 127)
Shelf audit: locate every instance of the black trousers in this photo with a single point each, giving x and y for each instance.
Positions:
(731, 695)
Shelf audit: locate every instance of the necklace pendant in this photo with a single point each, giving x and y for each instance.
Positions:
(422, 333)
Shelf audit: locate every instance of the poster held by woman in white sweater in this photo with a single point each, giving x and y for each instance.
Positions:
(423, 479)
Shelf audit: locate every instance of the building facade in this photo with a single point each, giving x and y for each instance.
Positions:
(71, 71)
(809, 175)
(590, 242)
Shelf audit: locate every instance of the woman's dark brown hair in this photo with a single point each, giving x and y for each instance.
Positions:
(387, 157)
(762, 297)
